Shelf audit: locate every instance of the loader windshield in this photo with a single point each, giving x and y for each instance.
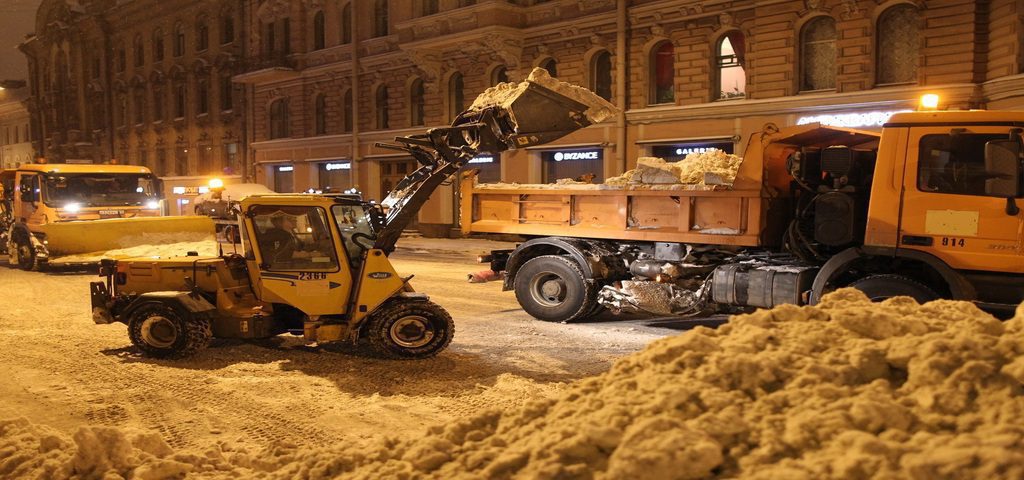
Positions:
(99, 189)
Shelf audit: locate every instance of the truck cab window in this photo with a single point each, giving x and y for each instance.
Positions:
(953, 164)
(353, 222)
(294, 238)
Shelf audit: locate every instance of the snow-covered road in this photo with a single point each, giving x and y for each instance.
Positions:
(61, 370)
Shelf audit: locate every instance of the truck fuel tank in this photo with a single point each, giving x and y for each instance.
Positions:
(761, 286)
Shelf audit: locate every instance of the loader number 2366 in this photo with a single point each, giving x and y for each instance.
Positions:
(952, 242)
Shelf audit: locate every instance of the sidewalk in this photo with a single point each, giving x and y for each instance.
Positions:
(465, 246)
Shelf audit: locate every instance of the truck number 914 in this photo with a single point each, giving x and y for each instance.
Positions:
(952, 242)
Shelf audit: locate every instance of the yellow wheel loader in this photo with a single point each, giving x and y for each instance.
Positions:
(318, 265)
(73, 214)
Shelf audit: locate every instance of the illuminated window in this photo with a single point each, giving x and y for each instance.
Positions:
(663, 74)
(898, 44)
(732, 79)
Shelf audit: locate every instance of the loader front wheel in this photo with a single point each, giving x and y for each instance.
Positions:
(162, 331)
(410, 329)
(25, 254)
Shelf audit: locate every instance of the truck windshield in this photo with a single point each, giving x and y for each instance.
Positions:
(98, 189)
(355, 230)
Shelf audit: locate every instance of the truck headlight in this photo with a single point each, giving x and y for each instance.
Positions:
(72, 207)
(153, 204)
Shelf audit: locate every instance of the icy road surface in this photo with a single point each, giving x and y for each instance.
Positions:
(62, 370)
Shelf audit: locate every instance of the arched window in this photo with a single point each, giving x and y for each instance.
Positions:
(320, 114)
(202, 97)
(158, 104)
(319, 34)
(898, 45)
(381, 107)
(416, 103)
(139, 101)
(499, 75)
(380, 18)
(202, 34)
(158, 45)
(179, 100)
(601, 74)
(139, 51)
(227, 90)
(269, 38)
(456, 96)
(663, 73)
(732, 79)
(279, 118)
(428, 7)
(818, 54)
(346, 23)
(227, 28)
(346, 107)
(179, 40)
(550, 65)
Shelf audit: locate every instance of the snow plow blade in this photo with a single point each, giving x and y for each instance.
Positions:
(71, 238)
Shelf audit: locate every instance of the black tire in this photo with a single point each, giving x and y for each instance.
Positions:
(552, 288)
(162, 331)
(881, 287)
(25, 253)
(409, 329)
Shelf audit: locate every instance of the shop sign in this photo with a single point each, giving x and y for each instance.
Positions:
(286, 168)
(679, 151)
(565, 155)
(482, 159)
(851, 120)
(333, 166)
(190, 190)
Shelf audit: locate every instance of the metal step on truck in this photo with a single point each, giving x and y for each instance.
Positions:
(929, 208)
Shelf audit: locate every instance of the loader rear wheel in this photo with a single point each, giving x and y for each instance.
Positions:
(552, 288)
(162, 331)
(410, 329)
(881, 287)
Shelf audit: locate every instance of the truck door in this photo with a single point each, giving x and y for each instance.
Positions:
(297, 258)
(29, 194)
(945, 211)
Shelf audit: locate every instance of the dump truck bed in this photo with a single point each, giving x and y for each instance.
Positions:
(710, 216)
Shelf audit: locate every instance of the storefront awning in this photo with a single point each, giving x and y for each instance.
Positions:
(817, 135)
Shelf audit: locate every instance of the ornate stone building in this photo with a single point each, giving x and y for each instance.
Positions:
(335, 76)
(15, 142)
(142, 82)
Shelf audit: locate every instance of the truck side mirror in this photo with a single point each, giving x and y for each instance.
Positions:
(1003, 168)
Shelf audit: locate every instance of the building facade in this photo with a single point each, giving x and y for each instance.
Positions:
(141, 82)
(15, 143)
(334, 77)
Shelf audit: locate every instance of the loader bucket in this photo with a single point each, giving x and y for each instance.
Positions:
(89, 236)
(541, 115)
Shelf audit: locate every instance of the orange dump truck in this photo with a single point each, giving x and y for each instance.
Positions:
(928, 208)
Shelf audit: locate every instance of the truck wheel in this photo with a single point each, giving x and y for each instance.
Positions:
(25, 254)
(410, 329)
(552, 288)
(881, 287)
(163, 332)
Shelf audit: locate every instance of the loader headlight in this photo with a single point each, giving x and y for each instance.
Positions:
(153, 204)
(72, 207)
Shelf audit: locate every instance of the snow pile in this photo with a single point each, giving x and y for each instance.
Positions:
(710, 168)
(164, 245)
(505, 94)
(846, 389)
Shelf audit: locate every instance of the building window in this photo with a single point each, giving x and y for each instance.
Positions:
(158, 45)
(456, 96)
(158, 104)
(139, 50)
(120, 59)
(428, 7)
(381, 106)
(202, 97)
(143, 158)
(601, 74)
(550, 65)
(818, 54)
(347, 109)
(499, 75)
(202, 35)
(122, 110)
(179, 101)
(279, 119)
(232, 161)
(205, 161)
(319, 34)
(346, 23)
(269, 38)
(95, 67)
(139, 101)
(160, 166)
(320, 114)
(663, 73)
(380, 18)
(416, 103)
(732, 79)
(179, 40)
(181, 161)
(898, 45)
(286, 36)
(227, 28)
(226, 93)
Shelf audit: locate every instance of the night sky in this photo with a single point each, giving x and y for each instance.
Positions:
(17, 18)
